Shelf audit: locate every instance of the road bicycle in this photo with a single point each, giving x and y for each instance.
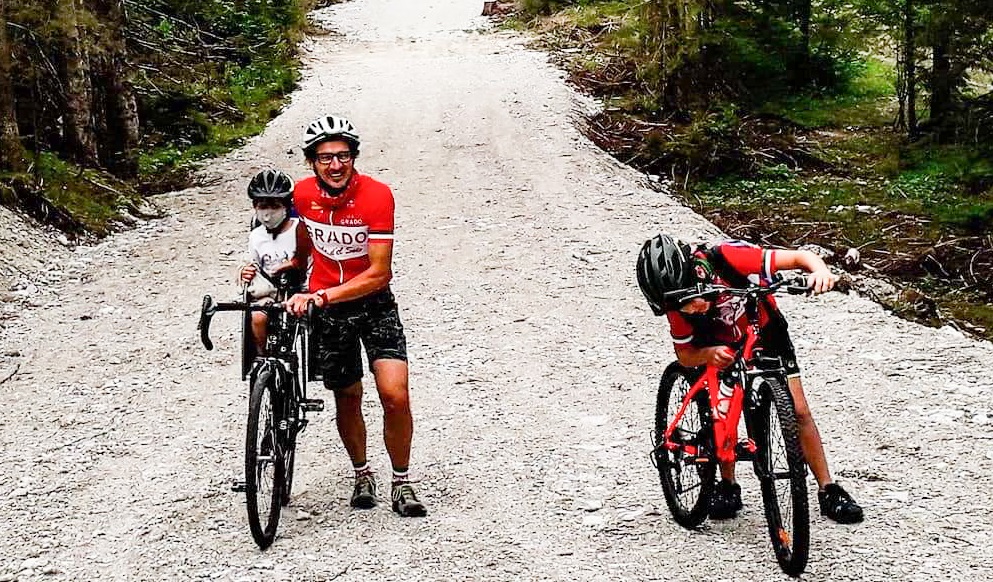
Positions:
(696, 429)
(277, 406)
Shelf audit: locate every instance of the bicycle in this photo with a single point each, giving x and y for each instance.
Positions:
(278, 405)
(696, 429)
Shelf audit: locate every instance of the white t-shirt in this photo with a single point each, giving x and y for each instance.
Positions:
(270, 252)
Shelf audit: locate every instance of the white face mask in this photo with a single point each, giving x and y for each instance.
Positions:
(271, 217)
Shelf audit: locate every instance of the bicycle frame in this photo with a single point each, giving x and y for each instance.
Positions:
(287, 345)
(725, 407)
(726, 388)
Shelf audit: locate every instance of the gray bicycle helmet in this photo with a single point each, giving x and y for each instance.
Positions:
(664, 264)
(271, 184)
(327, 128)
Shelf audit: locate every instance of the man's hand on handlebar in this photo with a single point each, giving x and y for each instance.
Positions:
(297, 305)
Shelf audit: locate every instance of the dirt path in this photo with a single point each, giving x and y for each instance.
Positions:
(534, 365)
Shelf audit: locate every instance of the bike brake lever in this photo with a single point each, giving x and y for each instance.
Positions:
(798, 286)
(207, 311)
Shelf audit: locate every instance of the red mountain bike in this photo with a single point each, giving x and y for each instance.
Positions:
(696, 428)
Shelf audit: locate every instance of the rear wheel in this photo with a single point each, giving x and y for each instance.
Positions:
(687, 473)
(263, 463)
(782, 472)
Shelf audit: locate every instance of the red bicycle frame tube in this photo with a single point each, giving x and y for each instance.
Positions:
(725, 408)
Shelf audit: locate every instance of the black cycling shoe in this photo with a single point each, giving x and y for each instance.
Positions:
(838, 505)
(364, 494)
(726, 501)
(405, 501)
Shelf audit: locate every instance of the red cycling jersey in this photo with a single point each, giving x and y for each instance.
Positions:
(725, 323)
(341, 229)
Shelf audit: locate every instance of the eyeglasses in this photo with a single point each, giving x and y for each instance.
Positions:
(342, 157)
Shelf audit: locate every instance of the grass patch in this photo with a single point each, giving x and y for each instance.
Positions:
(868, 99)
(80, 202)
(252, 96)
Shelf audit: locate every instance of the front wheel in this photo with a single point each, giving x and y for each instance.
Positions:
(782, 472)
(263, 463)
(687, 473)
(289, 457)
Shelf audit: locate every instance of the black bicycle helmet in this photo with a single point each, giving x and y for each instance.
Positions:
(271, 184)
(664, 264)
(328, 128)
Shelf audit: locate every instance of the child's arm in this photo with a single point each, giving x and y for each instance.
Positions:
(820, 280)
(248, 271)
(691, 357)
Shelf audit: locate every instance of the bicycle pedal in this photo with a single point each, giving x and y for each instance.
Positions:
(312, 405)
(238, 486)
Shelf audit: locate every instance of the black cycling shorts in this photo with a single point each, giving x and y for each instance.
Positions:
(373, 320)
(776, 342)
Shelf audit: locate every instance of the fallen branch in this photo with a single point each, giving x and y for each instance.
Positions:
(17, 368)
(79, 440)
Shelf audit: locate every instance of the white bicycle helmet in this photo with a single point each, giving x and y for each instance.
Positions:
(327, 128)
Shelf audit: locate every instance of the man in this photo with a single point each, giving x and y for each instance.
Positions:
(349, 217)
(703, 332)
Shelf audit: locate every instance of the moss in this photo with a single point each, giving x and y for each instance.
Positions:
(78, 201)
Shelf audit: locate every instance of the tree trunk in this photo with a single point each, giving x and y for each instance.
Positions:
(79, 128)
(910, 67)
(12, 155)
(120, 129)
(941, 79)
(803, 12)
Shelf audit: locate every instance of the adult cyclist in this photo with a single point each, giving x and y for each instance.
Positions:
(703, 331)
(349, 217)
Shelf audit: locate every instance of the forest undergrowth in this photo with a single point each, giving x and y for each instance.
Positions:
(828, 168)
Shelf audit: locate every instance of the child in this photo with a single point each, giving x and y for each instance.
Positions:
(703, 332)
(277, 244)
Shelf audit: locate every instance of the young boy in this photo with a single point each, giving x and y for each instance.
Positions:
(278, 243)
(703, 332)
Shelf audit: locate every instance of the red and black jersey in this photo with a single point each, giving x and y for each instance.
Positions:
(342, 228)
(731, 264)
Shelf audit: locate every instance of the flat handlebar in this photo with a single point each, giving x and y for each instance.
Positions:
(796, 285)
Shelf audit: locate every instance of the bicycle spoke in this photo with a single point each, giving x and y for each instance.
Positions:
(262, 462)
(687, 479)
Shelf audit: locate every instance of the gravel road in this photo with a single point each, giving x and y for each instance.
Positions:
(534, 363)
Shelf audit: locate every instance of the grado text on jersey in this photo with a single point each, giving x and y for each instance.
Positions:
(339, 242)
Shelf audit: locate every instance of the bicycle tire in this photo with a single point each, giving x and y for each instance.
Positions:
(687, 486)
(263, 492)
(782, 473)
(289, 459)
